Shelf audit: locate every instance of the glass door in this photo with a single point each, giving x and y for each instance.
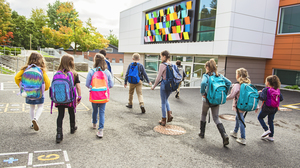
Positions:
(188, 72)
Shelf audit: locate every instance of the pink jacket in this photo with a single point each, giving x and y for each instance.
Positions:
(234, 94)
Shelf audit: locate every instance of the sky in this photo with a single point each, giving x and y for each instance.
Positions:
(105, 14)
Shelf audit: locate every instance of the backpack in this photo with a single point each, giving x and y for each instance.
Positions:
(62, 90)
(173, 77)
(99, 92)
(217, 90)
(248, 99)
(32, 82)
(273, 97)
(133, 75)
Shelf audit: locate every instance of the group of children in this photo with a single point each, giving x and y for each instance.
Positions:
(100, 79)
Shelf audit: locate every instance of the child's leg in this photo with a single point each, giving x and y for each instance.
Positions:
(95, 112)
(139, 93)
(205, 108)
(271, 125)
(101, 115)
(163, 97)
(72, 115)
(237, 125)
(167, 100)
(242, 126)
(131, 91)
(39, 111)
(261, 117)
(31, 111)
(60, 117)
(215, 114)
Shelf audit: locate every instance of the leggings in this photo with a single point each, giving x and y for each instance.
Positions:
(214, 111)
(38, 111)
(61, 114)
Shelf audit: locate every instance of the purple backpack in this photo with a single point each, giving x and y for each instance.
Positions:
(62, 90)
(273, 97)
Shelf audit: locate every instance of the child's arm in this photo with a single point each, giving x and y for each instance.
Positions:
(46, 80)
(281, 97)
(109, 79)
(204, 83)
(263, 94)
(162, 68)
(227, 83)
(18, 77)
(89, 79)
(126, 76)
(145, 74)
(234, 91)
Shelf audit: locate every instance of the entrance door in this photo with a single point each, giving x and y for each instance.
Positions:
(188, 72)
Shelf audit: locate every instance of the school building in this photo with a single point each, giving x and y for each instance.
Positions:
(262, 36)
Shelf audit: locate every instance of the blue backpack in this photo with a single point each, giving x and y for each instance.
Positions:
(217, 90)
(133, 75)
(248, 99)
(173, 77)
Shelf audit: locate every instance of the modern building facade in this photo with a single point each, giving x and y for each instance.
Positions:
(236, 33)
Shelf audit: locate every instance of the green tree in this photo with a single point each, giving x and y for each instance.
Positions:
(40, 20)
(5, 23)
(113, 39)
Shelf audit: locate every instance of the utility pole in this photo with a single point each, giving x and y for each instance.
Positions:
(30, 41)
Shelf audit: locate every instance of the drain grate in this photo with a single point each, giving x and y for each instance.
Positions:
(229, 117)
(169, 130)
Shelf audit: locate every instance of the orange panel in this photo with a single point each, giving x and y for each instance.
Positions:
(283, 45)
(295, 57)
(296, 65)
(287, 2)
(282, 51)
(284, 39)
(281, 62)
(296, 46)
(295, 51)
(297, 39)
(282, 56)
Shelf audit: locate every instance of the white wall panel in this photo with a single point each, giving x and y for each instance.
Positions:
(200, 48)
(267, 51)
(255, 8)
(221, 47)
(248, 22)
(245, 49)
(268, 39)
(270, 26)
(247, 36)
(224, 20)
(271, 11)
(225, 6)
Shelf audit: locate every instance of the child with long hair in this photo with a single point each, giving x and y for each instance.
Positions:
(38, 60)
(241, 77)
(99, 63)
(211, 69)
(67, 65)
(164, 94)
(271, 98)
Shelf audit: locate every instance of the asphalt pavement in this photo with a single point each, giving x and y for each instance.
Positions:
(129, 139)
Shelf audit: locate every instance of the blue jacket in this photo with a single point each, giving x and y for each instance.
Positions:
(142, 73)
(108, 66)
(204, 83)
(263, 97)
(91, 73)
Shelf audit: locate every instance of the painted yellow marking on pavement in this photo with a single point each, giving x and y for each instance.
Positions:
(293, 106)
(23, 109)
(85, 106)
(6, 107)
(48, 157)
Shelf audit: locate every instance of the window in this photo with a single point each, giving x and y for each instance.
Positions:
(182, 58)
(151, 66)
(120, 60)
(288, 77)
(109, 50)
(289, 20)
(199, 66)
(113, 60)
(206, 20)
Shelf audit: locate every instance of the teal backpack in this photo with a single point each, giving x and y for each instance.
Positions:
(248, 99)
(217, 90)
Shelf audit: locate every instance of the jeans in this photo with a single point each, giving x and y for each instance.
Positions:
(164, 95)
(271, 116)
(99, 107)
(239, 124)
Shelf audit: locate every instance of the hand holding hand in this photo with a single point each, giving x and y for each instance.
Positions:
(125, 85)
(256, 110)
(150, 83)
(204, 96)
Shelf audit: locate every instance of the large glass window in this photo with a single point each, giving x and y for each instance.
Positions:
(288, 77)
(182, 58)
(289, 20)
(151, 66)
(206, 20)
(199, 66)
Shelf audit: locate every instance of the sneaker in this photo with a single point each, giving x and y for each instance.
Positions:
(94, 126)
(241, 141)
(266, 133)
(233, 134)
(35, 125)
(100, 133)
(271, 139)
(128, 106)
(143, 109)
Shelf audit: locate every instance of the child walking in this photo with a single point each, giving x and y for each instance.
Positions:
(211, 69)
(164, 94)
(241, 77)
(182, 73)
(99, 80)
(67, 67)
(34, 73)
(135, 75)
(271, 98)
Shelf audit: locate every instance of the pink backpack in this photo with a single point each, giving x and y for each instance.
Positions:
(99, 92)
(273, 97)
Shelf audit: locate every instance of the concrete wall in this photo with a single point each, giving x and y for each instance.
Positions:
(243, 28)
(52, 63)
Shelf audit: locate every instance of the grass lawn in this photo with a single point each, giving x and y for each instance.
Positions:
(6, 71)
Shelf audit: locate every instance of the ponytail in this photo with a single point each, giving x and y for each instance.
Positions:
(212, 66)
(243, 76)
(166, 53)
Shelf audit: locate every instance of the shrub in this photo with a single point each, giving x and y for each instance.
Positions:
(295, 87)
(7, 50)
(17, 50)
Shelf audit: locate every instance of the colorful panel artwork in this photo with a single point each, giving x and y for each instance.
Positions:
(170, 23)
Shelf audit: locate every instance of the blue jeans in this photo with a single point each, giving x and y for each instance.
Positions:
(99, 107)
(164, 95)
(239, 124)
(271, 116)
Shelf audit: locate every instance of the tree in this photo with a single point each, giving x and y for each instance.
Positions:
(5, 23)
(113, 39)
(40, 20)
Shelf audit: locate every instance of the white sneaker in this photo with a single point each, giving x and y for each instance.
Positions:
(266, 133)
(241, 141)
(271, 139)
(233, 134)
(100, 133)
(35, 125)
(94, 126)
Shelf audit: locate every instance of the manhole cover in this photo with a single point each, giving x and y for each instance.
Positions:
(169, 130)
(229, 117)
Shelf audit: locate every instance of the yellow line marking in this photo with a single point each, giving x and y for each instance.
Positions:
(23, 109)
(48, 157)
(6, 107)
(293, 106)
(85, 106)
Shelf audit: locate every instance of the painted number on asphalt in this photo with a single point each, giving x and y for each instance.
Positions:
(48, 157)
